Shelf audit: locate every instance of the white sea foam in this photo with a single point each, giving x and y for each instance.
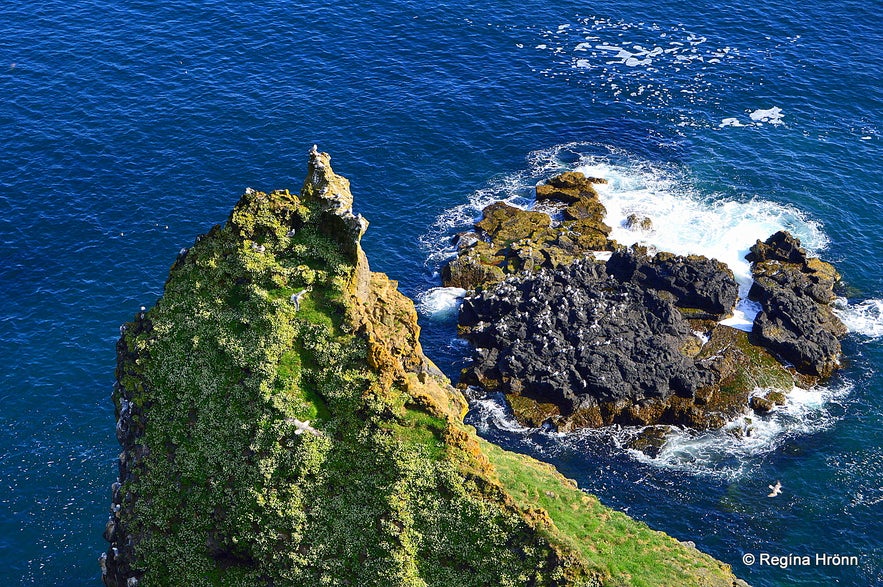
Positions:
(441, 303)
(743, 315)
(684, 222)
(733, 450)
(771, 115)
(865, 318)
(492, 411)
(730, 122)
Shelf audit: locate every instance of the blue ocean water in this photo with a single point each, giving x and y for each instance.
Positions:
(130, 127)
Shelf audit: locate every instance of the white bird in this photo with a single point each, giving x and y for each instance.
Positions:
(302, 427)
(296, 298)
(776, 489)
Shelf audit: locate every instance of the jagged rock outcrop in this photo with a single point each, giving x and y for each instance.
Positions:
(795, 292)
(585, 345)
(703, 288)
(581, 338)
(636, 340)
(280, 425)
(509, 240)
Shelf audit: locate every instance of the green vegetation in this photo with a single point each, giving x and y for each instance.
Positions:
(393, 489)
(622, 551)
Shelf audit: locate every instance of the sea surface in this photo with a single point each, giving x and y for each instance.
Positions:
(129, 127)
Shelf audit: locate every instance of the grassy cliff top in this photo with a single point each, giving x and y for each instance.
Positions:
(281, 426)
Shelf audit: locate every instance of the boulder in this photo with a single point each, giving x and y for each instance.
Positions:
(705, 288)
(795, 291)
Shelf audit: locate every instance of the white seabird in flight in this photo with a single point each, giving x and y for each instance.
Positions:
(776, 489)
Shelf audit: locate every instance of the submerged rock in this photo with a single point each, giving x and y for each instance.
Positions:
(650, 440)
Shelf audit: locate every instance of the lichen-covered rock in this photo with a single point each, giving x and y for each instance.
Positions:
(795, 292)
(280, 425)
(509, 240)
(569, 187)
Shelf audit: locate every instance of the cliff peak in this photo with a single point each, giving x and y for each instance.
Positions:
(272, 325)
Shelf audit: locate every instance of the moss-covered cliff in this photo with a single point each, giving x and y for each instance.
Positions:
(280, 425)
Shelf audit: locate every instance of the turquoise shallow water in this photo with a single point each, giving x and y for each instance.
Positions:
(128, 129)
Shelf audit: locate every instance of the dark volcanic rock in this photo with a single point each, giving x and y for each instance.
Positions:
(580, 338)
(591, 344)
(704, 287)
(578, 342)
(795, 291)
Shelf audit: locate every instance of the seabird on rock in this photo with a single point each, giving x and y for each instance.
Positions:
(314, 150)
(258, 248)
(776, 489)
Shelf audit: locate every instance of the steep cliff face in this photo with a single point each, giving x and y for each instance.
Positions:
(280, 425)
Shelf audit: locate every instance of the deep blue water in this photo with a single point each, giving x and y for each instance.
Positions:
(130, 127)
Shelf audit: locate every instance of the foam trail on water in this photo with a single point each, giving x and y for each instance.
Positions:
(865, 318)
(734, 449)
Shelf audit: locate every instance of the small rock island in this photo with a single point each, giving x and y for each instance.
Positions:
(280, 424)
(579, 331)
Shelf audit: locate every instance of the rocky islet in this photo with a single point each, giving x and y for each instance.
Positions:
(594, 333)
